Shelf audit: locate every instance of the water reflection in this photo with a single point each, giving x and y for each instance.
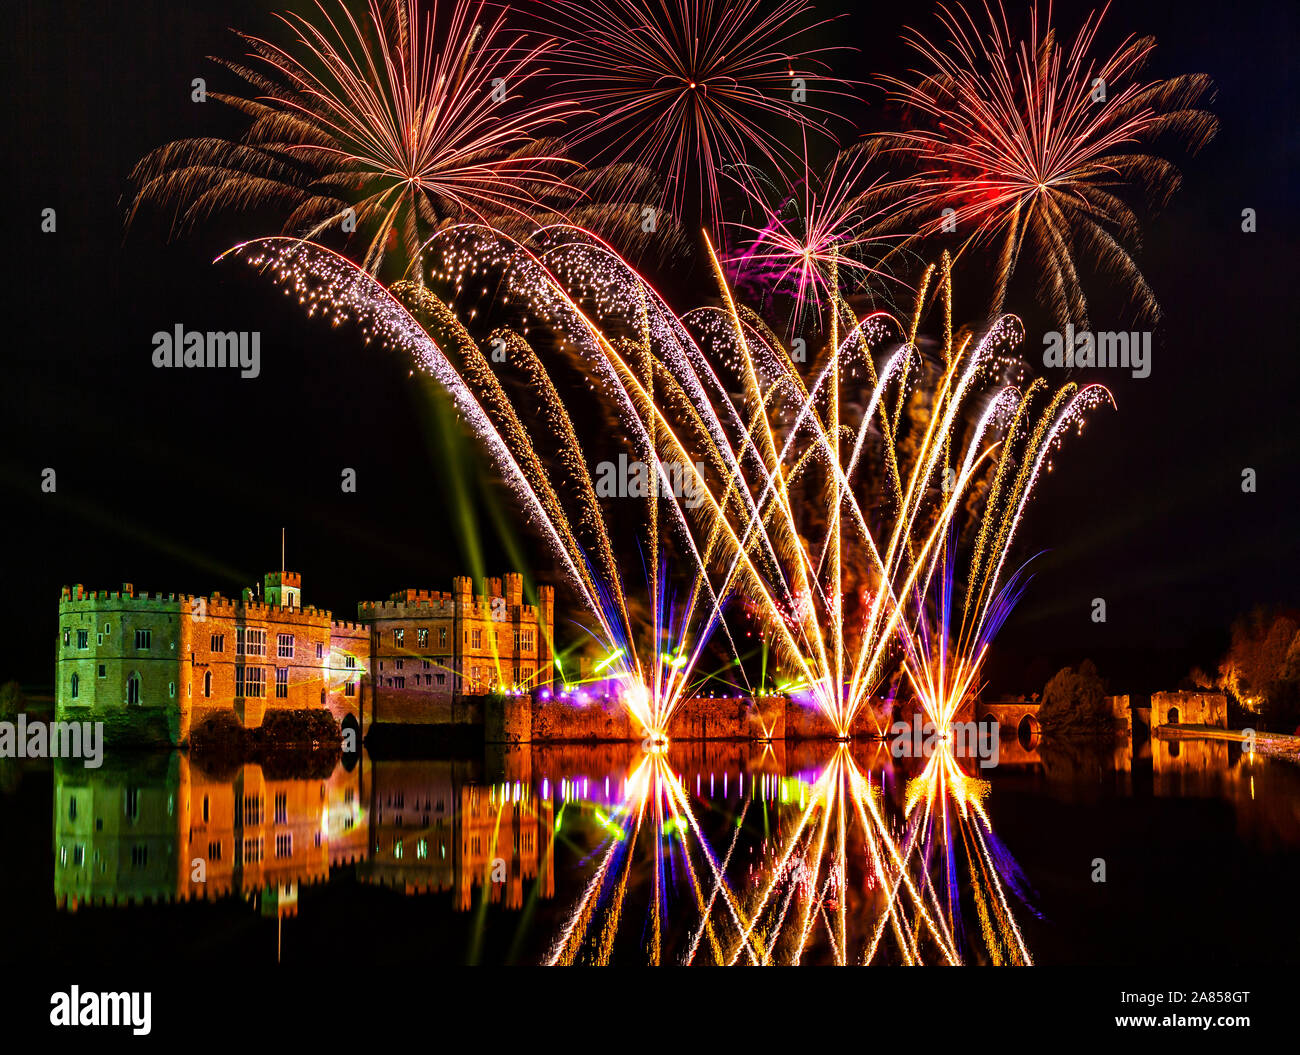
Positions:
(706, 853)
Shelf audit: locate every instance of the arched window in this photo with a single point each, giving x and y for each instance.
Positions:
(76, 686)
(207, 683)
(133, 688)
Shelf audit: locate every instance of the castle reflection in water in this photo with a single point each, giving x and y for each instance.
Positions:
(162, 828)
(166, 830)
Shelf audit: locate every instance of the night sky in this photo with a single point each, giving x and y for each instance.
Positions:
(181, 480)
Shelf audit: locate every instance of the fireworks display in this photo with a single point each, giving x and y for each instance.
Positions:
(381, 127)
(690, 87)
(855, 501)
(1033, 148)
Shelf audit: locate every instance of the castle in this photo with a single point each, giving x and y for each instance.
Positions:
(155, 668)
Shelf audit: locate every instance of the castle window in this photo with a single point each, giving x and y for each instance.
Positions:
(133, 688)
(398, 637)
(401, 683)
(99, 639)
(255, 642)
(424, 664)
(442, 636)
(103, 671)
(399, 664)
(76, 686)
(139, 856)
(214, 851)
(350, 688)
(108, 628)
(284, 646)
(131, 803)
(350, 662)
(171, 689)
(284, 845)
(207, 683)
(442, 678)
(72, 808)
(218, 642)
(205, 809)
(320, 650)
(528, 640)
(250, 682)
(476, 639)
(67, 637)
(422, 637)
(83, 638)
(516, 640)
(143, 638)
(281, 807)
(281, 683)
(528, 675)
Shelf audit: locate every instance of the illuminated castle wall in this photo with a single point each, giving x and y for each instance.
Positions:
(434, 652)
(152, 668)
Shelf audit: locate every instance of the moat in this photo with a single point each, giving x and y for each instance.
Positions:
(607, 853)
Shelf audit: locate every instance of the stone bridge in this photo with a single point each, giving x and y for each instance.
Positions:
(1019, 716)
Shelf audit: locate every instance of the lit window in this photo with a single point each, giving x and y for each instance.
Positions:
(398, 636)
(422, 637)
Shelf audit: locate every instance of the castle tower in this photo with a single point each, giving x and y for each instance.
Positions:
(546, 637)
(282, 588)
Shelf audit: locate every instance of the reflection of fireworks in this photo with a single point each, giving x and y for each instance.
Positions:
(388, 125)
(1031, 147)
(655, 808)
(851, 882)
(687, 86)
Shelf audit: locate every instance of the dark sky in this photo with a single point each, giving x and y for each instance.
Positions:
(180, 481)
